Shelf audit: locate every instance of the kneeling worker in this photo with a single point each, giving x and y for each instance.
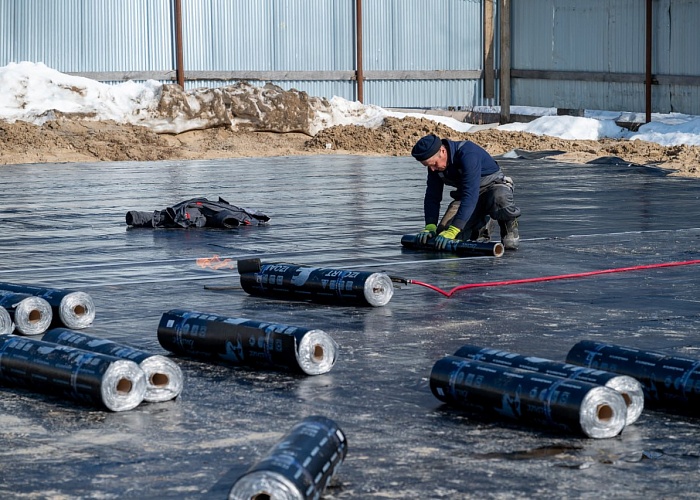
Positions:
(482, 191)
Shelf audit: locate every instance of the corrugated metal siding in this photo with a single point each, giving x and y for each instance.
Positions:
(677, 37)
(598, 95)
(319, 35)
(279, 35)
(420, 35)
(458, 94)
(398, 35)
(79, 35)
(596, 35)
(272, 35)
(605, 36)
(677, 43)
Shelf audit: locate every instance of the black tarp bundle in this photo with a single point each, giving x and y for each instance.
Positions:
(197, 212)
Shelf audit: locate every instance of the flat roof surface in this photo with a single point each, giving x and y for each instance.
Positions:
(63, 226)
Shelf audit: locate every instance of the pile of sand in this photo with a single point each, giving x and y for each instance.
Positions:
(67, 140)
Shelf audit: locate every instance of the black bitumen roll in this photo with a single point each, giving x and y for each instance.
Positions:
(73, 309)
(31, 315)
(164, 378)
(84, 376)
(630, 388)
(299, 466)
(246, 342)
(462, 248)
(6, 323)
(543, 400)
(670, 382)
(317, 284)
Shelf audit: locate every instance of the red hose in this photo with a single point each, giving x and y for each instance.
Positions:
(555, 277)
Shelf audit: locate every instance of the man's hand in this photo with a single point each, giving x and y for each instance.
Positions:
(426, 234)
(446, 236)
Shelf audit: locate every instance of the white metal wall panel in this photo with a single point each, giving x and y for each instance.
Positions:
(420, 35)
(269, 35)
(415, 35)
(597, 95)
(443, 94)
(82, 36)
(677, 42)
(568, 35)
(48, 32)
(600, 36)
(606, 36)
(135, 36)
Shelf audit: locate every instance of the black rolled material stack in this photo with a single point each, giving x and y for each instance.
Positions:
(300, 466)
(72, 309)
(670, 383)
(31, 315)
(6, 323)
(629, 387)
(462, 248)
(245, 342)
(88, 377)
(328, 286)
(164, 378)
(556, 403)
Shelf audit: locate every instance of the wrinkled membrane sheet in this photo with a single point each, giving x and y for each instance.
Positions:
(64, 227)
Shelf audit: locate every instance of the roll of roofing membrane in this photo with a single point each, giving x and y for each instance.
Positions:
(164, 380)
(459, 247)
(299, 467)
(670, 382)
(315, 284)
(6, 324)
(245, 342)
(31, 315)
(630, 388)
(88, 377)
(72, 309)
(557, 403)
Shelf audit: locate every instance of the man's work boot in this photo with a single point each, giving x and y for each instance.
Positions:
(487, 230)
(509, 234)
(482, 234)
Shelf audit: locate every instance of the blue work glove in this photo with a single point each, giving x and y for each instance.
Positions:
(446, 236)
(426, 234)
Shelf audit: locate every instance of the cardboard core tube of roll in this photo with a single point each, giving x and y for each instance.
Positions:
(604, 412)
(124, 386)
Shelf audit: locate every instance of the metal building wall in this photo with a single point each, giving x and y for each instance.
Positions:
(410, 35)
(319, 35)
(677, 41)
(605, 37)
(404, 41)
(87, 36)
(272, 35)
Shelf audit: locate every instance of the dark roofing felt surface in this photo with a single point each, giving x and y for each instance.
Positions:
(63, 226)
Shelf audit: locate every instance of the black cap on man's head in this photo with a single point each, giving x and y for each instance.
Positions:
(426, 147)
